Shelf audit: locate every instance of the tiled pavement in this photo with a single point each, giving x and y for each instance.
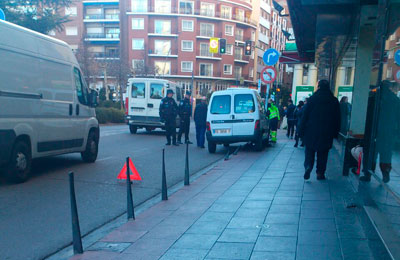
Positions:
(254, 206)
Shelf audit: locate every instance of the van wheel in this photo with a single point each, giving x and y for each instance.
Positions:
(258, 144)
(92, 149)
(133, 129)
(212, 147)
(19, 167)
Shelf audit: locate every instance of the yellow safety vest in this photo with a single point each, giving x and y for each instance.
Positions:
(273, 112)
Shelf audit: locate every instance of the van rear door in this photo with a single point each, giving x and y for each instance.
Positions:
(156, 94)
(245, 114)
(137, 99)
(221, 115)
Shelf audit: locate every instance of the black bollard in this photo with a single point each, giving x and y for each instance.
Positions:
(76, 231)
(187, 165)
(237, 150)
(227, 155)
(164, 192)
(130, 209)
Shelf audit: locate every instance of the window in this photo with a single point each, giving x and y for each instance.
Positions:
(71, 11)
(227, 69)
(226, 12)
(162, 6)
(187, 25)
(238, 53)
(186, 7)
(244, 103)
(229, 30)
(240, 14)
(162, 47)
(239, 35)
(221, 105)
(137, 23)
(139, 6)
(187, 45)
(138, 64)
(163, 67)
(207, 9)
(71, 30)
(238, 72)
(162, 26)
(137, 44)
(111, 14)
(81, 89)
(138, 90)
(207, 29)
(156, 90)
(251, 72)
(229, 49)
(187, 66)
(206, 69)
(205, 50)
(348, 75)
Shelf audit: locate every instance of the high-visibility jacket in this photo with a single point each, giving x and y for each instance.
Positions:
(273, 112)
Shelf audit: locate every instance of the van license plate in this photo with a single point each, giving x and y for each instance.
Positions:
(222, 131)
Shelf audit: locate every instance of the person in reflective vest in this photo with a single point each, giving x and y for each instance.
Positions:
(273, 116)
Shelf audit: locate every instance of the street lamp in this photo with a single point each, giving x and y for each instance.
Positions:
(279, 8)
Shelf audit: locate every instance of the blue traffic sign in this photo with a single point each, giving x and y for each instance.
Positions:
(397, 57)
(271, 57)
(2, 15)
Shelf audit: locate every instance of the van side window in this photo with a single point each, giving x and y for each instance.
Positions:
(81, 90)
(221, 105)
(138, 90)
(156, 90)
(244, 103)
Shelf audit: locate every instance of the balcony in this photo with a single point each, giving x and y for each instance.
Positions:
(205, 54)
(239, 38)
(266, 7)
(264, 38)
(265, 22)
(95, 18)
(163, 34)
(105, 55)
(241, 59)
(207, 34)
(102, 37)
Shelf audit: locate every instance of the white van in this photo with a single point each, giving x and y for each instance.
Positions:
(45, 106)
(236, 115)
(142, 102)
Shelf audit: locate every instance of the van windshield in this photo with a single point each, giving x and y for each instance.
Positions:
(138, 90)
(156, 90)
(244, 103)
(221, 105)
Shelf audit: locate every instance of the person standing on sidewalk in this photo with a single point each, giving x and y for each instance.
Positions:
(185, 112)
(319, 126)
(168, 113)
(273, 115)
(200, 120)
(290, 119)
(298, 114)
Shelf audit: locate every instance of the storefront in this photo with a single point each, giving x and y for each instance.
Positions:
(356, 46)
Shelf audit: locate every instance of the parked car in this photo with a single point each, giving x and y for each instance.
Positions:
(45, 106)
(236, 115)
(142, 102)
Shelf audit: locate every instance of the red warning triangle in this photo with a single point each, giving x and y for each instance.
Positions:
(134, 173)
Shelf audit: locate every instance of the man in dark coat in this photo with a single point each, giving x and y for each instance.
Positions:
(291, 121)
(200, 120)
(185, 113)
(319, 126)
(168, 113)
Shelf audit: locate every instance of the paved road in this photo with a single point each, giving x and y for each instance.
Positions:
(35, 216)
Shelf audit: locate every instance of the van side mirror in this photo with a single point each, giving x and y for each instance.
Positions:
(93, 98)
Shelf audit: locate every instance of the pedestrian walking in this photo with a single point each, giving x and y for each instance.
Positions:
(185, 113)
(200, 120)
(168, 112)
(298, 114)
(319, 126)
(291, 121)
(273, 115)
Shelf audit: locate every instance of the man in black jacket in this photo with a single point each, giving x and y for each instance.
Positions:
(291, 121)
(319, 126)
(185, 112)
(168, 113)
(200, 119)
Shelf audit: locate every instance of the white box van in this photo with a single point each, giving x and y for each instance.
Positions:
(142, 102)
(236, 115)
(45, 106)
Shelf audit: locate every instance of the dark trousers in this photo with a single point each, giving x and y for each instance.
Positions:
(184, 128)
(170, 127)
(322, 159)
(290, 128)
(200, 135)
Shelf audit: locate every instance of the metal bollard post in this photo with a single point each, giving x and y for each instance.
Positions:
(76, 231)
(130, 209)
(164, 192)
(187, 165)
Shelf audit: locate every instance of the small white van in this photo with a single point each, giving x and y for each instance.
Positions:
(45, 106)
(142, 102)
(236, 115)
